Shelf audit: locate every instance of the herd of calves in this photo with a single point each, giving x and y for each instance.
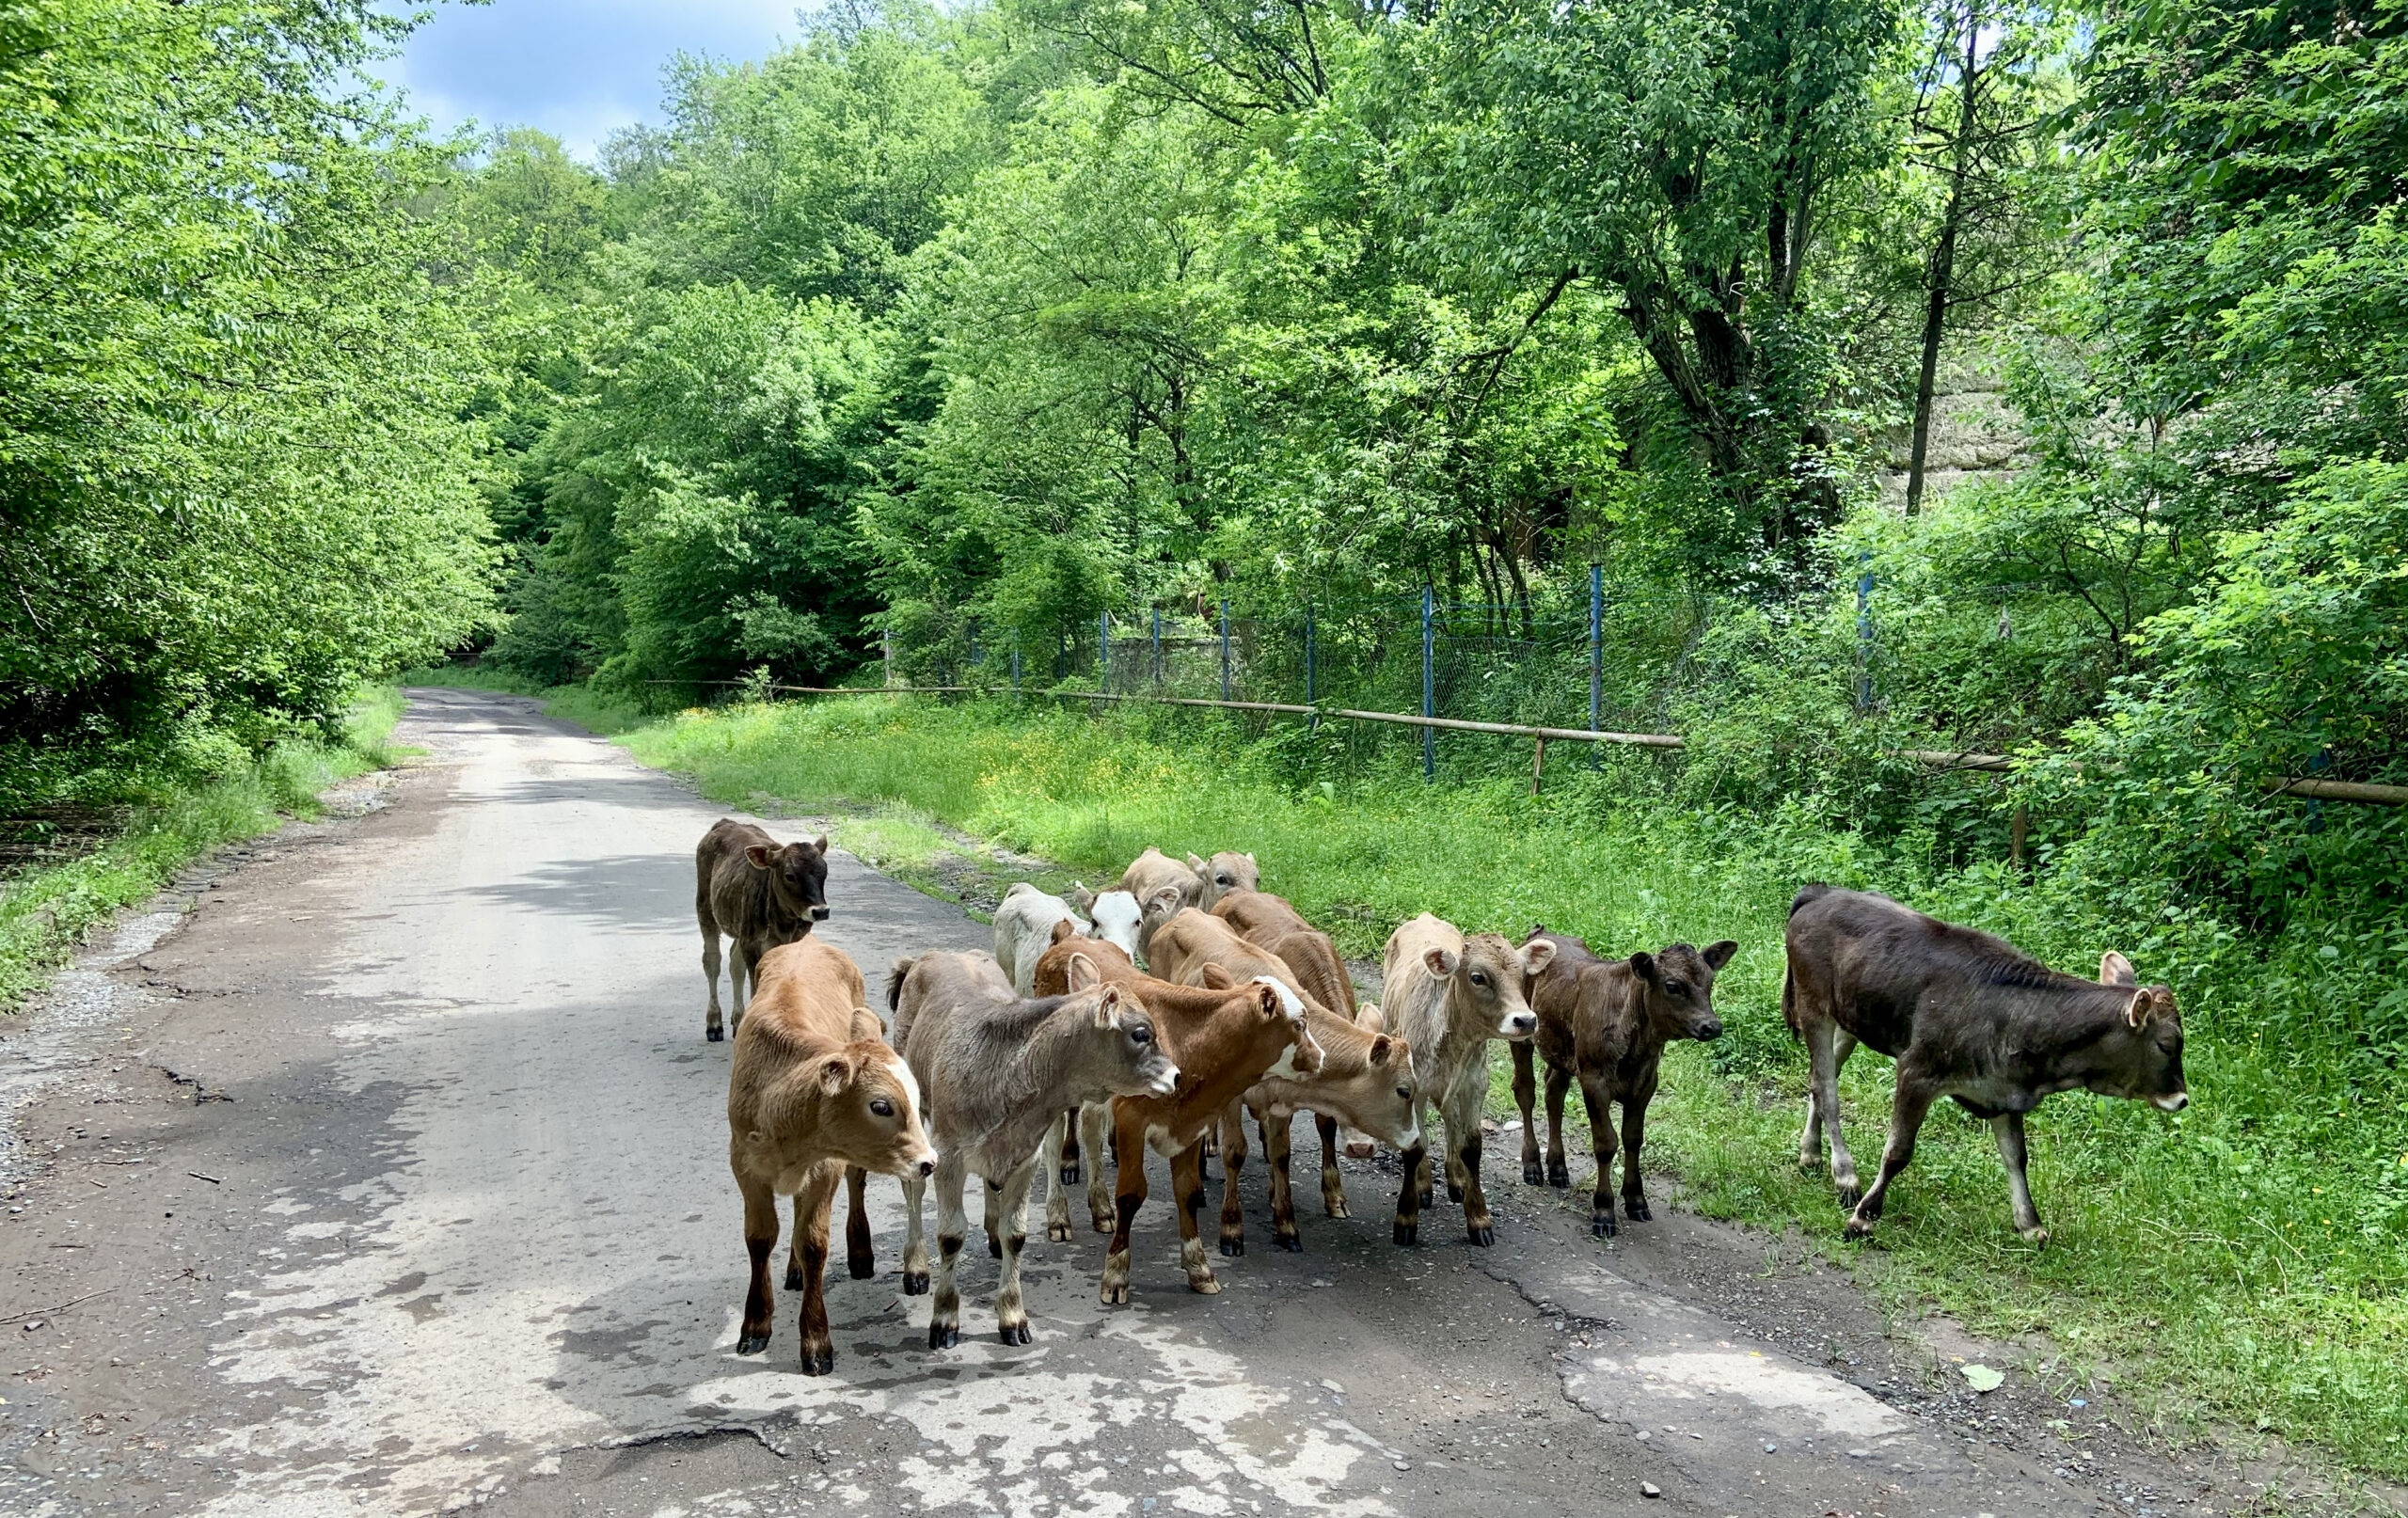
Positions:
(1058, 1045)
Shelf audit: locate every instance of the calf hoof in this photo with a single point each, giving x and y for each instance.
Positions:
(862, 1269)
(1602, 1224)
(916, 1283)
(1533, 1174)
(1102, 1222)
(1232, 1247)
(1860, 1227)
(1635, 1209)
(817, 1360)
(1559, 1174)
(1454, 1195)
(712, 1034)
(1059, 1233)
(793, 1278)
(1013, 1333)
(1850, 1196)
(943, 1336)
(2036, 1237)
(1206, 1285)
(1408, 1233)
(1335, 1207)
(1113, 1296)
(753, 1344)
(1069, 1173)
(1483, 1236)
(1293, 1243)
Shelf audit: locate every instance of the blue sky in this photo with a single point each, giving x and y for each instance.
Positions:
(578, 69)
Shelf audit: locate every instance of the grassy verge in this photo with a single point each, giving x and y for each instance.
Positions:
(45, 913)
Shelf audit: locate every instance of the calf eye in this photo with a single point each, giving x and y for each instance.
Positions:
(1404, 1091)
(1676, 987)
(1478, 978)
(881, 1106)
(1141, 1034)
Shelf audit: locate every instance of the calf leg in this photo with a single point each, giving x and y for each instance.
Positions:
(1058, 1161)
(711, 1021)
(794, 1246)
(1913, 1101)
(915, 1244)
(953, 1227)
(1843, 1163)
(1095, 1120)
(1464, 1148)
(760, 1239)
(1408, 1196)
(2008, 1126)
(1558, 1085)
(1526, 1095)
(1187, 1184)
(812, 1206)
(994, 1221)
(861, 1253)
(1595, 1096)
(1012, 1315)
(1634, 1135)
(1277, 1137)
(1232, 1161)
(739, 983)
(1333, 1185)
(1128, 1195)
(1068, 1157)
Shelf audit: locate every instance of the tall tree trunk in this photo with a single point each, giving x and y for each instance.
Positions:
(1944, 256)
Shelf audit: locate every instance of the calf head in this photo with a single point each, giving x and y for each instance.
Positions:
(1160, 906)
(869, 1106)
(1224, 872)
(2141, 1058)
(798, 875)
(1116, 919)
(1676, 990)
(1279, 1027)
(1131, 1061)
(1390, 1094)
(1484, 983)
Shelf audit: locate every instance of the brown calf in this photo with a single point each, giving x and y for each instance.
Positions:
(1222, 874)
(1366, 1081)
(1604, 1022)
(1267, 921)
(759, 892)
(1224, 1039)
(1966, 1015)
(1450, 993)
(814, 1088)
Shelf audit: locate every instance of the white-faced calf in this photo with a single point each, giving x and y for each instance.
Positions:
(760, 893)
(1450, 993)
(1966, 1015)
(813, 1089)
(997, 1071)
(1603, 1023)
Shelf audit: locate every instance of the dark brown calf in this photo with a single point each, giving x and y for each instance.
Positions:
(1967, 1017)
(759, 892)
(1603, 1023)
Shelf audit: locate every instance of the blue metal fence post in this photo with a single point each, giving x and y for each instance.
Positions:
(1225, 648)
(1596, 650)
(1103, 651)
(1158, 647)
(1864, 632)
(1429, 695)
(1312, 723)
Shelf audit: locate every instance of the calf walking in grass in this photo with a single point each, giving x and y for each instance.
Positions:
(1604, 1022)
(760, 893)
(1966, 1015)
(812, 1090)
(998, 1070)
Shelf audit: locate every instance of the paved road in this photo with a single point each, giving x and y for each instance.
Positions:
(387, 1165)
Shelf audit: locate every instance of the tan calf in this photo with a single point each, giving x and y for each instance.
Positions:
(1268, 922)
(814, 1088)
(1450, 993)
(1222, 874)
(1366, 1081)
(1150, 874)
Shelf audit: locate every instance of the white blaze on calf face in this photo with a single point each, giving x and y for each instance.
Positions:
(1115, 921)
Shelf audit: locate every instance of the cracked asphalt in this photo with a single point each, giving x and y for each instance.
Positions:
(379, 1168)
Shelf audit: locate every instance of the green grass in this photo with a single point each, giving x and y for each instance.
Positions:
(47, 914)
(2245, 1262)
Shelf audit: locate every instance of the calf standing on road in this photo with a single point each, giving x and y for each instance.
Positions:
(758, 893)
(1447, 993)
(1966, 1015)
(1604, 1022)
(814, 1088)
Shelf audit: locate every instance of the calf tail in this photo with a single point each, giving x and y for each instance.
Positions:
(895, 979)
(1789, 1005)
(1815, 890)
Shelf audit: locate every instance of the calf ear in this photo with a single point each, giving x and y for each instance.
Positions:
(1269, 1000)
(1107, 1006)
(1537, 956)
(835, 1073)
(1196, 864)
(2136, 1011)
(1439, 961)
(1382, 1047)
(1217, 978)
(1082, 897)
(757, 855)
(1718, 955)
(1167, 897)
(866, 1028)
(819, 844)
(1082, 973)
(1642, 964)
(2115, 969)
(1063, 929)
